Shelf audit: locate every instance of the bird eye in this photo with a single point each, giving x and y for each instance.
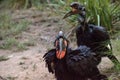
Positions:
(80, 8)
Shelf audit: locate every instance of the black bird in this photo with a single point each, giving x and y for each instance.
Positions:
(67, 64)
(95, 37)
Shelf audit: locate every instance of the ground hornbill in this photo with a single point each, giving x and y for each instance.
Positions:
(67, 64)
(95, 37)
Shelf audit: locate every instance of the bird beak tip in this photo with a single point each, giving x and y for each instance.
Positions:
(68, 14)
(64, 17)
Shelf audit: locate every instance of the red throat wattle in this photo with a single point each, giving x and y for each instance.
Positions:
(61, 54)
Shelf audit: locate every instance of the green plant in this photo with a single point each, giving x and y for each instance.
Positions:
(9, 29)
(116, 46)
(19, 27)
(21, 63)
(34, 67)
(22, 4)
(11, 78)
(8, 43)
(21, 46)
(3, 58)
(29, 43)
(99, 12)
(103, 12)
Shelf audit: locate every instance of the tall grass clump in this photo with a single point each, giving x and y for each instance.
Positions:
(99, 12)
(103, 12)
(22, 4)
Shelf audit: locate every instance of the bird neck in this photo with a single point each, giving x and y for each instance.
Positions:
(84, 26)
(82, 21)
(82, 16)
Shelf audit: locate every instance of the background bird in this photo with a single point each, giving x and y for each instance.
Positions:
(95, 37)
(67, 64)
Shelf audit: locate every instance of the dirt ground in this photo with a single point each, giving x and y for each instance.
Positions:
(29, 64)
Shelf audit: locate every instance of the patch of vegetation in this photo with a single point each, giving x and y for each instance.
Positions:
(22, 4)
(34, 67)
(21, 63)
(8, 43)
(113, 74)
(3, 58)
(99, 12)
(9, 29)
(29, 43)
(116, 46)
(21, 47)
(11, 78)
(115, 71)
(24, 58)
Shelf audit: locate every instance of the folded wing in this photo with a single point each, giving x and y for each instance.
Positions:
(49, 58)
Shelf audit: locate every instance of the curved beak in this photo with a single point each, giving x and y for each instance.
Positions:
(72, 12)
(68, 14)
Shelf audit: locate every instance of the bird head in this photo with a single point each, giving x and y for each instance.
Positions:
(61, 44)
(76, 8)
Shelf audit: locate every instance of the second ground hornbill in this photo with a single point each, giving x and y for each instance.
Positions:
(95, 37)
(67, 64)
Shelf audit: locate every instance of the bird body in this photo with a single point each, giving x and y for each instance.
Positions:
(95, 37)
(78, 64)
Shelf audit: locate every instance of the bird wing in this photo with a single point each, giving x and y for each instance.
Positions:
(81, 61)
(49, 58)
(100, 34)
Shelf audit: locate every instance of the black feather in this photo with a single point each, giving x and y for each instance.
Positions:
(49, 58)
(78, 64)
